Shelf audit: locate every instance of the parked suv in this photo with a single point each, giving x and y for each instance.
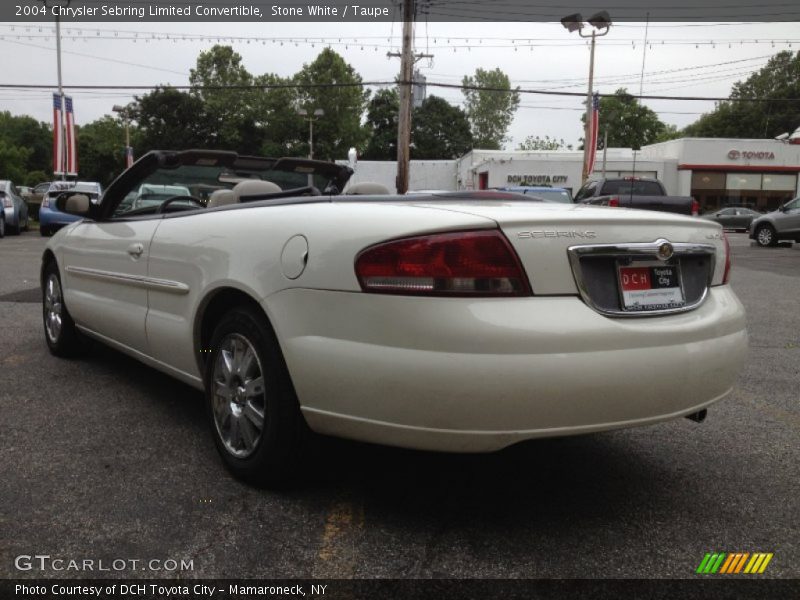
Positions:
(782, 224)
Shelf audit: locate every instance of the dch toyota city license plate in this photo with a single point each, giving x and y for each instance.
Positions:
(654, 287)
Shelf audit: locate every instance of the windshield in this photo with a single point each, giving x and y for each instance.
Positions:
(637, 188)
(553, 195)
(190, 185)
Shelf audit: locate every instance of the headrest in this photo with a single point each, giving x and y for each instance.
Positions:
(254, 187)
(367, 188)
(221, 198)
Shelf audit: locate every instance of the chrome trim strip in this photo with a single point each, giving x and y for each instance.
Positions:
(150, 283)
(644, 250)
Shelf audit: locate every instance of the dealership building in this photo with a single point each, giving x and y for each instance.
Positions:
(717, 172)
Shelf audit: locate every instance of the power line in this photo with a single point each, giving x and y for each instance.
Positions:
(254, 87)
(95, 57)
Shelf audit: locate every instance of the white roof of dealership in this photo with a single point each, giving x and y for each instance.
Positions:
(672, 162)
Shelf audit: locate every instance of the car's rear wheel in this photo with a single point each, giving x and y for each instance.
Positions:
(250, 401)
(766, 236)
(2, 226)
(63, 338)
(43, 231)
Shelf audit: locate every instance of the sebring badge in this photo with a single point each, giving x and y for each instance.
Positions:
(665, 251)
(549, 233)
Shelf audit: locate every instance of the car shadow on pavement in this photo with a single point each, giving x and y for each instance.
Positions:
(547, 479)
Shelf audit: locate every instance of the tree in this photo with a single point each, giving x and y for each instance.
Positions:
(221, 81)
(335, 87)
(382, 115)
(628, 123)
(101, 150)
(439, 130)
(776, 109)
(32, 135)
(13, 161)
(169, 119)
(489, 112)
(546, 143)
(275, 112)
(671, 132)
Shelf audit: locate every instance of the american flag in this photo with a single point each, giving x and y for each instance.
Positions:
(58, 140)
(128, 157)
(72, 146)
(65, 152)
(594, 126)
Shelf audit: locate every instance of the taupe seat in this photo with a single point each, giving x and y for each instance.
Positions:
(368, 188)
(254, 187)
(221, 198)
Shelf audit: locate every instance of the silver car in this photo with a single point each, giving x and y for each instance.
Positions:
(14, 216)
(733, 217)
(782, 224)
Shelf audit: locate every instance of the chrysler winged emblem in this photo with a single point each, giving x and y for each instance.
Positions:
(665, 251)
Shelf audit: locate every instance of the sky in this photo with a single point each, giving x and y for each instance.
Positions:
(688, 59)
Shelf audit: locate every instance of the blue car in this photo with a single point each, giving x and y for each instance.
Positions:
(50, 218)
(553, 194)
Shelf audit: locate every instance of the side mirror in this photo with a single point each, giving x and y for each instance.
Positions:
(74, 203)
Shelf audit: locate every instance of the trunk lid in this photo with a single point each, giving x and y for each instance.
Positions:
(542, 235)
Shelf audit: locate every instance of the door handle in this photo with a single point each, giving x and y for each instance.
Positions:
(135, 250)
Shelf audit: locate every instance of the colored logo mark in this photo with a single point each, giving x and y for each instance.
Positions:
(731, 563)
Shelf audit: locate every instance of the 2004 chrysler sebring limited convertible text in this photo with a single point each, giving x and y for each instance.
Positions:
(460, 322)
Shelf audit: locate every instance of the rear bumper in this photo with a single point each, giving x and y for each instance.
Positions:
(471, 375)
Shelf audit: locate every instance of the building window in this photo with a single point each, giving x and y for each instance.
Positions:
(760, 191)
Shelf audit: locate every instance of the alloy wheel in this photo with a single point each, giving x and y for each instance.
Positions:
(765, 236)
(239, 399)
(53, 307)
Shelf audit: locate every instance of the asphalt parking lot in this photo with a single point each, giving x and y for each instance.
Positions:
(105, 458)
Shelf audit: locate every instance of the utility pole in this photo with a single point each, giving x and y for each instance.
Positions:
(62, 138)
(587, 126)
(404, 119)
(407, 61)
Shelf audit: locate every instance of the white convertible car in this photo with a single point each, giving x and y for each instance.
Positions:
(460, 322)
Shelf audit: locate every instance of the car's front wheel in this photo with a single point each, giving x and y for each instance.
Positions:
(250, 401)
(766, 236)
(63, 338)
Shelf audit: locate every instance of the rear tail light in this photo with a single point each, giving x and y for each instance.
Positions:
(465, 263)
(695, 208)
(613, 201)
(7, 203)
(45, 202)
(726, 274)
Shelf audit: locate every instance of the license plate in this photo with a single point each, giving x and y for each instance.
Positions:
(654, 287)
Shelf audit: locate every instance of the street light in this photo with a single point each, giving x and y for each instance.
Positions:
(318, 112)
(600, 22)
(124, 112)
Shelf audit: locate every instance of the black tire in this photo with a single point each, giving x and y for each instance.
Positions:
(272, 455)
(14, 229)
(2, 225)
(43, 231)
(64, 341)
(766, 235)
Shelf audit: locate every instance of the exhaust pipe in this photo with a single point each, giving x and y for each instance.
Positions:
(698, 417)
